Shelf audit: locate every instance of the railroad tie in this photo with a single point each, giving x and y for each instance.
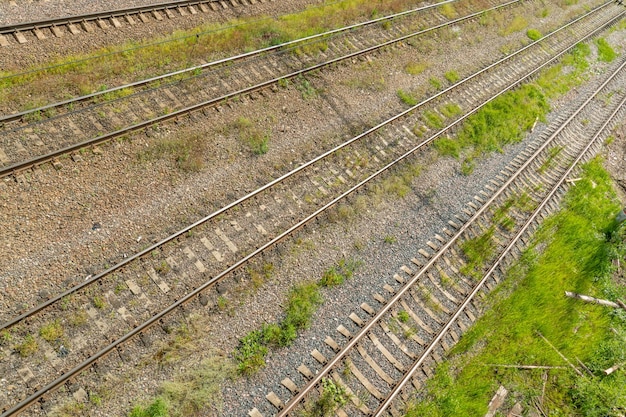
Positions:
(332, 344)
(379, 371)
(305, 371)
(115, 22)
(355, 399)
(391, 335)
(129, 19)
(39, 34)
(290, 385)
(19, 37)
(255, 413)
(3, 41)
(364, 381)
(276, 402)
(317, 355)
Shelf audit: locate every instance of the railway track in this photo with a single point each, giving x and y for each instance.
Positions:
(21, 33)
(36, 136)
(149, 288)
(386, 352)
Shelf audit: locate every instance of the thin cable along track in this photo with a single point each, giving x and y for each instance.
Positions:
(117, 18)
(181, 267)
(90, 120)
(438, 291)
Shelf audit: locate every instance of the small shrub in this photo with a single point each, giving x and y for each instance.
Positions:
(307, 90)
(450, 110)
(250, 354)
(27, 347)
(433, 120)
(390, 239)
(534, 34)
(99, 302)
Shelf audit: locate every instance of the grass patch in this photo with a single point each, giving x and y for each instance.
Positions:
(435, 83)
(157, 408)
(477, 252)
(559, 79)
(185, 150)
(52, 331)
(448, 11)
(579, 245)
(332, 397)
(452, 76)
(406, 97)
(302, 302)
(534, 34)
(433, 120)
(27, 347)
(499, 123)
(255, 139)
(517, 24)
(450, 110)
(605, 52)
(416, 68)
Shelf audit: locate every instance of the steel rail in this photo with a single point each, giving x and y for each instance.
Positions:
(383, 406)
(11, 169)
(354, 340)
(270, 184)
(8, 29)
(189, 297)
(235, 58)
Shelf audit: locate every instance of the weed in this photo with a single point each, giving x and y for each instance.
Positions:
(477, 251)
(185, 150)
(518, 23)
(534, 34)
(406, 98)
(389, 239)
(339, 273)
(552, 154)
(79, 318)
(99, 302)
(283, 83)
(157, 408)
(452, 76)
(609, 140)
(52, 331)
(433, 120)
(222, 303)
(450, 110)
(448, 11)
(435, 83)
(403, 316)
(332, 397)
(27, 347)
(255, 138)
(163, 267)
(5, 337)
(307, 90)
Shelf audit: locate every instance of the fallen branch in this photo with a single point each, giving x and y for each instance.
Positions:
(584, 366)
(593, 300)
(525, 366)
(613, 368)
(560, 354)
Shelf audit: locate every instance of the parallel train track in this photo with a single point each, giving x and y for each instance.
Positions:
(44, 134)
(20, 33)
(150, 286)
(439, 294)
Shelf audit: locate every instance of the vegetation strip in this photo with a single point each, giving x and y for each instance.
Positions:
(580, 244)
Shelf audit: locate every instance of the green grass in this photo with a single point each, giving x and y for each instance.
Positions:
(252, 136)
(448, 11)
(332, 397)
(407, 98)
(574, 250)
(433, 120)
(477, 252)
(435, 83)
(605, 52)
(499, 123)
(559, 79)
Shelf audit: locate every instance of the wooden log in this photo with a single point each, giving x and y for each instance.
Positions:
(560, 354)
(613, 369)
(592, 300)
(526, 366)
